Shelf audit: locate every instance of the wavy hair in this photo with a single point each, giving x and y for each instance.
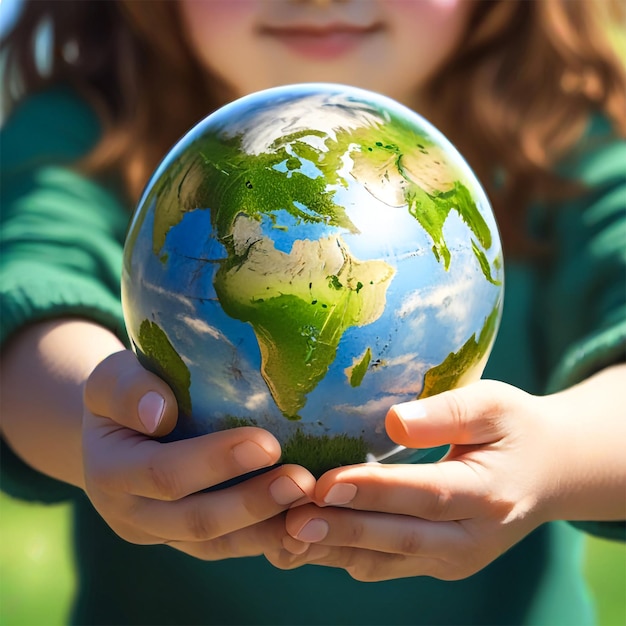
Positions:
(514, 97)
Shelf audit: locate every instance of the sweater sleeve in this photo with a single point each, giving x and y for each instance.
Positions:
(583, 302)
(586, 292)
(61, 240)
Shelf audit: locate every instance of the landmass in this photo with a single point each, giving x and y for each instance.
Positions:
(450, 372)
(357, 371)
(156, 353)
(397, 164)
(299, 304)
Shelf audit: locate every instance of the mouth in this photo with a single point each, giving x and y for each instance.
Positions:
(321, 42)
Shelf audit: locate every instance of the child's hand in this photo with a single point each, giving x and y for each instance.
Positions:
(516, 461)
(147, 491)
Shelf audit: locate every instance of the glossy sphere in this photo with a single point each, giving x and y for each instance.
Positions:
(306, 257)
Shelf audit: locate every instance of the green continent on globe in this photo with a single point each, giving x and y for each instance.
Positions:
(221, 176)
(156, 353)
(318, 453)
(299, 304)
(357, 371)
(449, 373)
(395, 162)
(401, 167)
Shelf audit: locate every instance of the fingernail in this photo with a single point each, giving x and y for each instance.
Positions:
(285, 491)
(250, 455)
(150, 410)
(409, 411)
(341, 493)
(314, 530)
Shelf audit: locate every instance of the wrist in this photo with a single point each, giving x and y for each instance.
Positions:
(44, 369)
(588, 466)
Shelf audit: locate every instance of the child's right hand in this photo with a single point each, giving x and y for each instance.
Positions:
(148, 491)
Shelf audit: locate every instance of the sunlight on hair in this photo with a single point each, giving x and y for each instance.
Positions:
(44, 42)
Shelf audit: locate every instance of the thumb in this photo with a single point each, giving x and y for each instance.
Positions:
(120, 389)
(465, 416)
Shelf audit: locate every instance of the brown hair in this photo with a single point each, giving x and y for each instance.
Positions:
(519, 91)
(516, 95)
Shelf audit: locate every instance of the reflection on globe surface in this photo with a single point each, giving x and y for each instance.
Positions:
(303, 259)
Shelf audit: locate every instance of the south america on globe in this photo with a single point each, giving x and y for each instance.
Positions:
(306, 257)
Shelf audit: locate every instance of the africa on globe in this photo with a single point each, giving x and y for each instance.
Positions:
(303, 259)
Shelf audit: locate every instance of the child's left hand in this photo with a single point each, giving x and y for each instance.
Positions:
(516, 462)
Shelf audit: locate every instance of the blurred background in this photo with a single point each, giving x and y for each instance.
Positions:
(36, 579)
(36, 570)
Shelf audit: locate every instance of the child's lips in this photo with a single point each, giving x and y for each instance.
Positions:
(325, 42)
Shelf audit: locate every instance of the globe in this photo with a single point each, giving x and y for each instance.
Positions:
(303, 259)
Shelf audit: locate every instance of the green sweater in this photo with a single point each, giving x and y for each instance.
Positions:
(62, 238)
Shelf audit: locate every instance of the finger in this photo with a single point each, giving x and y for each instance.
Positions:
(464, 416)
(201, 517)
(128, 462)
(446, 491)
(293, 546)
(131, 534)
(120, 389)
(285, 559)
(363, 565)
(251, 541)
(380, 532)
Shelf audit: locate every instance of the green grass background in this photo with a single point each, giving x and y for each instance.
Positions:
(36, 577)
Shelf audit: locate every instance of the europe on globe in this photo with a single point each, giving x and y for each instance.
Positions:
(306, 257)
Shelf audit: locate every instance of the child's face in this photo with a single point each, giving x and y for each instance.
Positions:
(389, 46)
